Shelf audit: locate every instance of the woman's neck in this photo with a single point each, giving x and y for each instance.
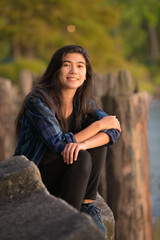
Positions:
(67, 103)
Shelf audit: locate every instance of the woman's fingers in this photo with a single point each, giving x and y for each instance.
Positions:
(118, 125)
(76, 153)
(66, 153)
(111, 122)
(70, 152)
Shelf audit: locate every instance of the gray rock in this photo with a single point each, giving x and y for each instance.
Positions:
(29, 212)
(106, 216)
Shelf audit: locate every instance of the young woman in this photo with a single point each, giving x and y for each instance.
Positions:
(61, 129)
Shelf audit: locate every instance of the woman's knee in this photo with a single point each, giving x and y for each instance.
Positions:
(84, 162)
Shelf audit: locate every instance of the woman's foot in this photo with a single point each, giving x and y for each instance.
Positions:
(94, 212)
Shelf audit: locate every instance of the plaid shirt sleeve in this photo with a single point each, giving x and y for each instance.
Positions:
(113, 133)
(45, 124)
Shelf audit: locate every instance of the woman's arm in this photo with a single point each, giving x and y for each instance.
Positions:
(97, 140)
(71, 150)
(106, 122)
(45, 124)
(104, 130)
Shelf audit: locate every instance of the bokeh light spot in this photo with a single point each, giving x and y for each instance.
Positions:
(71, 28)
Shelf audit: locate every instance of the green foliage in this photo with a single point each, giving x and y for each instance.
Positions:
(34, 65)
(115, 33)
(155, 73)
(38, 28)
(141, 77)
(4, 50)
(136, 19)
(11, 70)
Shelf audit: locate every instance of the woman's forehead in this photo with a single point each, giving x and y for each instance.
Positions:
(74, 57)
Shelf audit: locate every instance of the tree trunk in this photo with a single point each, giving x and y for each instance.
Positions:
(16, 50)
(153, 37)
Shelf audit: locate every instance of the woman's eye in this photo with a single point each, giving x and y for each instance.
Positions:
(80, 66)
(66, 65)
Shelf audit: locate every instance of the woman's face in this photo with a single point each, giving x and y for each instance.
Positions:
(73, 71)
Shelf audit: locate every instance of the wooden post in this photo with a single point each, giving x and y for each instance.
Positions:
(6, 121)
(26, 82)
(128, 191)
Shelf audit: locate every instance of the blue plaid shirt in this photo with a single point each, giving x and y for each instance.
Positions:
(40, 130)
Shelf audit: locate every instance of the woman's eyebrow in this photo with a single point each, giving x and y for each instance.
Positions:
(71, 61)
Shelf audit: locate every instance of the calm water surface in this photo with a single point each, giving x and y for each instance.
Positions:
(154, 149)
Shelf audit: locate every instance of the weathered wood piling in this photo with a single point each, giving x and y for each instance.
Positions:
(127, 165)
(6, 119)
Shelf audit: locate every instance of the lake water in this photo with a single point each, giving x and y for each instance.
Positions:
(154, 149)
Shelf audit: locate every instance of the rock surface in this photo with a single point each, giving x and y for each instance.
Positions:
(107, 216)
(29, 212)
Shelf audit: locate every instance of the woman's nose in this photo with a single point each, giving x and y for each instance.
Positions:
(73, 70)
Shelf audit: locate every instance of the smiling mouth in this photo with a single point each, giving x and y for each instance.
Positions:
(72, 78)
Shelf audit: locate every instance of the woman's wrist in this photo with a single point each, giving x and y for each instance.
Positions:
(85, 144)
(98, 125)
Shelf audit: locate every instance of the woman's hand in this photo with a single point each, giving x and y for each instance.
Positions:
(71, 150)
(109, 122)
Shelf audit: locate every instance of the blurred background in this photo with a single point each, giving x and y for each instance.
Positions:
(118, 34)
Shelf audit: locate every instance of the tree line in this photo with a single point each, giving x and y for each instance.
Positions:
(116, 33)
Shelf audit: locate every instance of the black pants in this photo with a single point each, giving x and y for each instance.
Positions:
(76, 181)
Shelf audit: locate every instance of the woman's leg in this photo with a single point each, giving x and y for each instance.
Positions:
(98, 160)
(68, 181)
(52, 174)
(75, 180)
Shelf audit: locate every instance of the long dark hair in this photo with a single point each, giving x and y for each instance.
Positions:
(49, 88)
